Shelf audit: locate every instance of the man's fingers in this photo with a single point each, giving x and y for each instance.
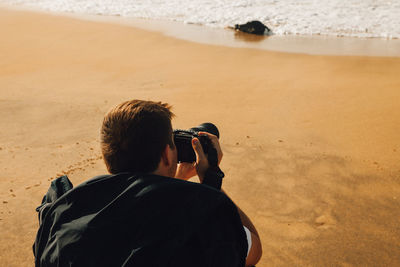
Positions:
(201, 158)
(215, 142)
(198, 149)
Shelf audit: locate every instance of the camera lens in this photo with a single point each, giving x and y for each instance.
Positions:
(206, 127)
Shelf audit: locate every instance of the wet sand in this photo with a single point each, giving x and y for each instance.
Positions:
(311, 142)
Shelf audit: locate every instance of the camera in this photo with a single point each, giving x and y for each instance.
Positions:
(183, 141)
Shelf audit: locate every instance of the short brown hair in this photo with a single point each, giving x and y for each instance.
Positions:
(134, 135)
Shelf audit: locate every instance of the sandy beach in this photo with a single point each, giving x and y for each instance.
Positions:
(311, 142)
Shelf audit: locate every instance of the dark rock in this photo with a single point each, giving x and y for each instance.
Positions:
(253, 27)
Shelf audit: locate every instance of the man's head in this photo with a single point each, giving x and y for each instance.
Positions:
(136, 135)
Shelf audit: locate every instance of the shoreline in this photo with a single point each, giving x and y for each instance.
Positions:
(311, 45)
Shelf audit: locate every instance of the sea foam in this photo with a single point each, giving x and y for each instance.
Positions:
(355, 18)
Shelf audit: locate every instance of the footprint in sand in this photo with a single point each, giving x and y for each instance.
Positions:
(325, 221)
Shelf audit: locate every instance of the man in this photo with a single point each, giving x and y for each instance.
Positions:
(140, 215)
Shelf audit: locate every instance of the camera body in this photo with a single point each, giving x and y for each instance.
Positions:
(183, 141)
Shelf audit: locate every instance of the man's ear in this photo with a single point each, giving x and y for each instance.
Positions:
(165, 156)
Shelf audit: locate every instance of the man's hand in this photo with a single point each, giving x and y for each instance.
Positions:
(185, 170)
(201, 159)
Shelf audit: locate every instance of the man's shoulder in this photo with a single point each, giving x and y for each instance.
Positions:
(146, 184)
(161, 185)
(144, 179)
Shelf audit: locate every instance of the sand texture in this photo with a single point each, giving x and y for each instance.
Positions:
(311, 143)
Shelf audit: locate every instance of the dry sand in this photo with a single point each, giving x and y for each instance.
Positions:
(311, 143)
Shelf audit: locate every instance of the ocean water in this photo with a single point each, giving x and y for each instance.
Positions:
(354, 18)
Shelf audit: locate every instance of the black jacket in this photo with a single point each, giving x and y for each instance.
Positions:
(138, 220)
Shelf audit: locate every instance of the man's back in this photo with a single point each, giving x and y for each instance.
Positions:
(141, 220)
